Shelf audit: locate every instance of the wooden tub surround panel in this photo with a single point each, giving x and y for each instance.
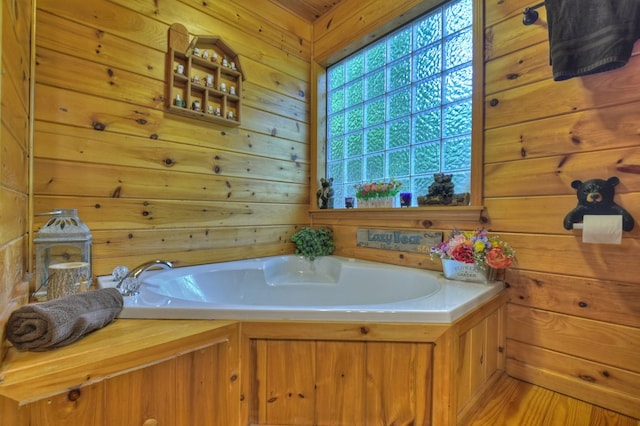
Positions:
(210, 372)
(179, 372)
(365, 374)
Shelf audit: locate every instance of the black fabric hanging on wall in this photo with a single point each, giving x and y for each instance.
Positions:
(591, 36)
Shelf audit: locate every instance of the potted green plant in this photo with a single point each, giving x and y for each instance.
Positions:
(313, 242)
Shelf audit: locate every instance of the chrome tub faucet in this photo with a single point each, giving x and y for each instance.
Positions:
(130, 283)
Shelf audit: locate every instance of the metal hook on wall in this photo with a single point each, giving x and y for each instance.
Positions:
(530, 14)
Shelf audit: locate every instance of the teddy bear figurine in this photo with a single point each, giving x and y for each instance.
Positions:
(325, 194)
(595, 197)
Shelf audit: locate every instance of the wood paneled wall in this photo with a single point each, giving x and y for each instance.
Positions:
(574, 313)
(150, 184)
(574, 318)
(15, 48)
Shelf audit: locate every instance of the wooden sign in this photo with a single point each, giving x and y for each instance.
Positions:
(389, 239)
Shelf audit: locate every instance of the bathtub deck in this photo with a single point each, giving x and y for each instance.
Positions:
(517, 403)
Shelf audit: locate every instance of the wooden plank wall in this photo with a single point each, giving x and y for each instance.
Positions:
(15, 18)
(574, 312)
(150, 184)
(574, 319)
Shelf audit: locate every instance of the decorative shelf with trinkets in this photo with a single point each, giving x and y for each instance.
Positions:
(204, 78)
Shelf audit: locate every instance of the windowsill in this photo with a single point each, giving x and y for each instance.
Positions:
(435, 213)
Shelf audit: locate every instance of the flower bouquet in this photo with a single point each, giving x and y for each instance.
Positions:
(377, 194)
(473, 255)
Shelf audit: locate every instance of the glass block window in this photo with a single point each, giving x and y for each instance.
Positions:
(400, 108)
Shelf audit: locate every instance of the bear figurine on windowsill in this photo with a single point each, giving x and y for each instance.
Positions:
(325, 194)
(441, 192)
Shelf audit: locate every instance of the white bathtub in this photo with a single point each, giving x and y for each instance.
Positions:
(330, 288)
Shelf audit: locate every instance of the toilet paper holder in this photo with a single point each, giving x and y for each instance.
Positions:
(595, 197)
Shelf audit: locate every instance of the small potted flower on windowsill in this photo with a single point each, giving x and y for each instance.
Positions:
(473, 255)
(377, 194)
(313, 242)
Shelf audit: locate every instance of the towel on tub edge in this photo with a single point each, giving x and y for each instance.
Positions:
(60, 322)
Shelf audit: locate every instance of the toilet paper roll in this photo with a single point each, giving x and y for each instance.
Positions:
(602, 229)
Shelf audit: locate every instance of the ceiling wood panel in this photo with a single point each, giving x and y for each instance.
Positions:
(308, 9)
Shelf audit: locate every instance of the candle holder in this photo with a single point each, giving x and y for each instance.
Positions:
(64, 239)
(348, 202)
(405, 199)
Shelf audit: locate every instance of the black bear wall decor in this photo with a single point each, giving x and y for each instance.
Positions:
(595, 197)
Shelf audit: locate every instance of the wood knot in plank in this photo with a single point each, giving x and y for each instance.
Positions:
(98, 126)
(74, 395)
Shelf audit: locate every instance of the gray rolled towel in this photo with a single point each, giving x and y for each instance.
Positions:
(60, 322)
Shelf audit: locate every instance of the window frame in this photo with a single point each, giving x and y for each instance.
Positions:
(319, 120)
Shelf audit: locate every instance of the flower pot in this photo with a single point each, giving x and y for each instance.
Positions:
(378, 202)
(460, 271)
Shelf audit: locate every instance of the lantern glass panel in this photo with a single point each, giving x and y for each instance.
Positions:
(63, 240)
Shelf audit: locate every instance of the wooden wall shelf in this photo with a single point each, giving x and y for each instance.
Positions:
(204, 78)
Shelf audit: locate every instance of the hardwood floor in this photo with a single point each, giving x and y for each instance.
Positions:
(517, 403)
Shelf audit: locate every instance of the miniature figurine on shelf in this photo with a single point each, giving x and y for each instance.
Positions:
(233, 66)
(209, 80)
(180, 69)
(325, 194)
(195, 105)
(196, 79)
(225, 62)
(217, 112)
(223, 87)
(230, 115)
(179, 102)
(232, 90)
(441, 192)
(210, 109)
(214, 57)
(196, 51)
(205, 54)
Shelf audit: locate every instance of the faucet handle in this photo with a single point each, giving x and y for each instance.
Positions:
(119, 273)
(129, 286)
(130, 282)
